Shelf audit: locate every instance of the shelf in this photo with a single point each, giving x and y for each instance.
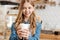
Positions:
(50, 32)
(8, 3)
(11, 14)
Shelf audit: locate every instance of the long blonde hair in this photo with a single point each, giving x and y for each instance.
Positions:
(20, 17)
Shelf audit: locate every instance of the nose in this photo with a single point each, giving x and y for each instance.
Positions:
(26, 10)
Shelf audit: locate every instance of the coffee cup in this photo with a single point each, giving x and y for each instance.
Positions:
(24, 26)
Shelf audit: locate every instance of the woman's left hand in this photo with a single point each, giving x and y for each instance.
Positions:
(24, 33)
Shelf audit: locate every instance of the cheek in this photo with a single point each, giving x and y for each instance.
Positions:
(31, 10)
(23, 11)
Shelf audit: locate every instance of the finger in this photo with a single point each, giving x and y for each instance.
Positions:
(18, 28)
(20, 36)
(19, 31)
(26, 29)
(24, 34)
(26, 37)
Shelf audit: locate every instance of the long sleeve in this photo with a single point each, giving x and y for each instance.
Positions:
(13, 35)
(37, 33)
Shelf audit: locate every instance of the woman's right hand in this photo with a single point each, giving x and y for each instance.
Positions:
(25, 33)
(19, 34)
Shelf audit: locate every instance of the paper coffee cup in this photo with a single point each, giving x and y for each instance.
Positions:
(24, 26)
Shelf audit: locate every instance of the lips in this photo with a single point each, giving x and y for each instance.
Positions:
(26, 13)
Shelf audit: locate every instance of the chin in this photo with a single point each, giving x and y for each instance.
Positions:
(27, 15)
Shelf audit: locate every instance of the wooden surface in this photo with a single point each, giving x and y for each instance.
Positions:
(50, 36)
(42, 36)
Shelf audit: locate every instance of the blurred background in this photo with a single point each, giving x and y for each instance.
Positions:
(46, 10)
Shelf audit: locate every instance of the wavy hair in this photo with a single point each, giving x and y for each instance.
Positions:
(20, 17)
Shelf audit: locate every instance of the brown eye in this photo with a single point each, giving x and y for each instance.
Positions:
(29, 7)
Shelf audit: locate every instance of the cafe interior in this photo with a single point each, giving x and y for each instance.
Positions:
(47, 12)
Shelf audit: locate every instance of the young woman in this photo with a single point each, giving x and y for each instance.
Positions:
(27, 16)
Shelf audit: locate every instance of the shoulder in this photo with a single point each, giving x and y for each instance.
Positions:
(13, 26)
(38, 20)
(38, 27)
(13, 23)
(38, 24)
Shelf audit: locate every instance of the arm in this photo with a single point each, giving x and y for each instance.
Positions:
(13, 35)
(37, 33)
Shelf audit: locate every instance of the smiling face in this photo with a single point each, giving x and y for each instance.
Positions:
(27, 9)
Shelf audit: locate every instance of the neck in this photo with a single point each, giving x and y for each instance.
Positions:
(26, 19)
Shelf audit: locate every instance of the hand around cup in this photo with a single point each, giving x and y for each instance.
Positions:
(23, 33)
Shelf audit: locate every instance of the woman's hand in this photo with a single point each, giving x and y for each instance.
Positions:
(23, 33)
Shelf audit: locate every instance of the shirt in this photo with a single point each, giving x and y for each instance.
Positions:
(36, 36)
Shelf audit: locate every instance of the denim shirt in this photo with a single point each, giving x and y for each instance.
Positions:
(36, 36)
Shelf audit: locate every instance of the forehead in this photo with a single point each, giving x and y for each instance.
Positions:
(27, 4)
